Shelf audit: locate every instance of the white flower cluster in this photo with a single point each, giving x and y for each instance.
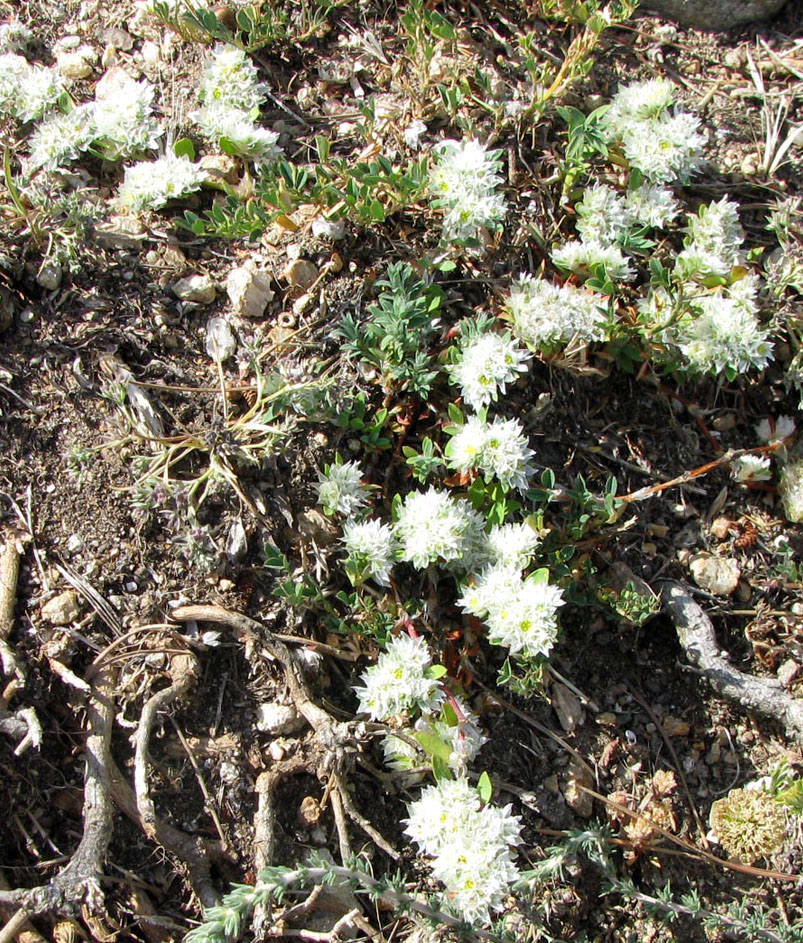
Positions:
(27, 91)
(749, 468)
(123, 116)
(150, 184)
(716, 330)
(722, 334)
(779, 430)
(664, 145)
(399, 681)
(463, 183)
(434, 527)
(512, 545)
(607, 217)
(371, 547)
(582, 257)
(120, 122)
(231, 95)
(487, 363)
(544, 314)
(605, 220)
(714, 245)
(340, 489)
(61, 138)
(497, 449)
(652, 205)
(522, 614)
(14, 36)
(469, 844)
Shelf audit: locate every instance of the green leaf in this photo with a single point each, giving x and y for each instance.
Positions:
(440, 769)
(228, 147)
(377, 211)
(433, 746)
(440, 27)
(449, 715)
(323, 146)
(540, 576)
(436, 671)
(485, 787)
(455, 415)
(184, 148)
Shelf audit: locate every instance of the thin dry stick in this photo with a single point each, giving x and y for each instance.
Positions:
(765, 696)
(725, 459)
(211, 805)
(185, 667)
(336, 798)
(9, 576)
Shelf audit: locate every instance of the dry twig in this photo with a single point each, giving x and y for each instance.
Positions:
(9, 576)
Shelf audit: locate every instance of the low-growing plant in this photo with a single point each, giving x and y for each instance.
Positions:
(394, 340)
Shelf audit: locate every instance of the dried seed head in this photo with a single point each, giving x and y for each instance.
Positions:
(749, 824)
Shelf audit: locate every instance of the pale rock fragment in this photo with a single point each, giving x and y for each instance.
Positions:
(567, 706)
(49, 275)
(279, 719)
(249, 291)
(62, 609)
(717, 575)
(199, 289)
(574, 791)
(333, 229)
(72, 65)
(675, 726)
(299, 273)
(788, 671)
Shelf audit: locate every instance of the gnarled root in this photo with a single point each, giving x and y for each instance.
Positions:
(764, 696)
(334, 741)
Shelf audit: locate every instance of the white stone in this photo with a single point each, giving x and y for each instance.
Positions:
(328, 228)
(198, 288)
(299, 273)
(62, 609)
(717, 575)
(151, 54)
(49, 275)
(788, 671)
(66, 43)
(279, 719)
(249, 291)
(73, 65)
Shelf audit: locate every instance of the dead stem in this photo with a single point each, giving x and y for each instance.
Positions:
(190, 851)
(9, 576)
